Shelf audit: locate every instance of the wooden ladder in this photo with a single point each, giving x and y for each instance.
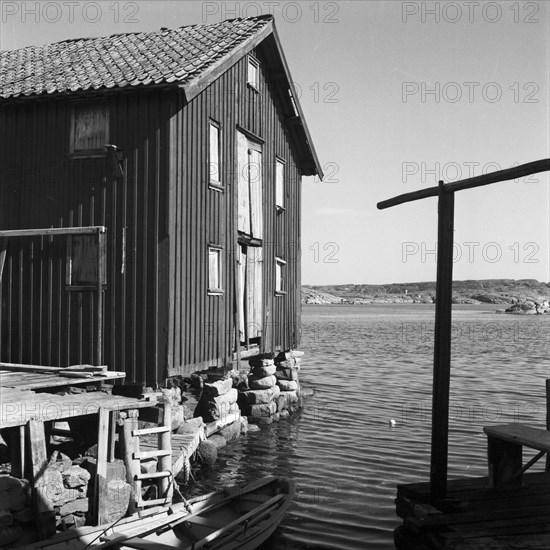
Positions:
(134, 456)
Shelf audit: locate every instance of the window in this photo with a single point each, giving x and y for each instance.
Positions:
(89, 129)
(215, 270)
(280, 276)
(280, 185)
(214, 147)
(253, 73)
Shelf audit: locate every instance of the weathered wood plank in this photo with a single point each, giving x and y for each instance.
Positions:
(45, 515)
(521, 434)
(477, 181)
(100, 493)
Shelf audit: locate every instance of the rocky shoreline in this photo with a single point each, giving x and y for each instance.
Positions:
(524, 297)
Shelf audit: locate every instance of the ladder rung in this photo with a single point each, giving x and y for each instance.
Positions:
(143, 455)
(147, 431)
(153, 475)
(158, 501)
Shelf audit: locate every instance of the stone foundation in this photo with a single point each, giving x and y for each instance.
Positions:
(272, 391)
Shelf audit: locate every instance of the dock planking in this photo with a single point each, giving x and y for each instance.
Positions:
(183, 447)
(17, 407)
(482, 518)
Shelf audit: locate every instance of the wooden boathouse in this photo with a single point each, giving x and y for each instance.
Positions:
(150, 200)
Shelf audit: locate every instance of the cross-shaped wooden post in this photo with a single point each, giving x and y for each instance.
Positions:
(443, 305)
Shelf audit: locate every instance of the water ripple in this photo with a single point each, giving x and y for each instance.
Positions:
(368, 365)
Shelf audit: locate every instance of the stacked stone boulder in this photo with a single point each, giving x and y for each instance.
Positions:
(116, 494)
(259, 402)
(287, 365)
(218, 399)
(16, 516)
(64, 487)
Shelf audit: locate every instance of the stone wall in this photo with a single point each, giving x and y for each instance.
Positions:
(272, 391)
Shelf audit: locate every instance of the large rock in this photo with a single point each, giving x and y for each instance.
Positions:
(261, 362)
(115, 469)
(259, 397)
(288, 385)
(214, 408)
(286, 363)
(288, 373)
(178, 415)
(59, 461)
(261, 372)
(10, 535)
(117, 499)
(190, 426)
(240, 379)
(50, 488)
(6, 519)
(78, 505)
(75, 476)
(267, 409)
(261, 383)
(14, 493)
(25, 515)
(287, 400)
(221, 387)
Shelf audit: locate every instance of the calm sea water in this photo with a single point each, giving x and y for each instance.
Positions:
(366, 366)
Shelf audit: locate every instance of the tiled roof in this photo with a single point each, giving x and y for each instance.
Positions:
(167, 56)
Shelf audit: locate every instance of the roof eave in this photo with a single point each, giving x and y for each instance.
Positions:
(196, 85)
(309, 142)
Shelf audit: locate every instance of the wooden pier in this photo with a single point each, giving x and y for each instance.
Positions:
(508, 508)
(476, 516)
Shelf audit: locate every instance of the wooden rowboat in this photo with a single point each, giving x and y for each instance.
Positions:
(238, 518)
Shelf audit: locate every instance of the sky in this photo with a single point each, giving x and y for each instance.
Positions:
(397, 96)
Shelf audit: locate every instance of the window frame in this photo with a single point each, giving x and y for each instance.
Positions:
(282, 163)
(87, 153)
(217, 185)
(280, 276)
(218, 249)
(255, 63)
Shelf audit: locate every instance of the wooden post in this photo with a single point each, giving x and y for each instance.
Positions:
(442, 345)
(3, 253)
(99, 298)
(45, 515)
(101, 480)
(548, 418)
(165, 462)
(16, 438)
(129, 444)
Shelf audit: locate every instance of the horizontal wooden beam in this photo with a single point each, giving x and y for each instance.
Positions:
(91, 230)
(477, 181)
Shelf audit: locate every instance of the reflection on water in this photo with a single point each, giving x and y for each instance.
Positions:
(368, 365)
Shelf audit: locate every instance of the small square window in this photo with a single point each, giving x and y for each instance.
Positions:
(280, 184)
(89, 129)
(253, 73)
(280, 276)
(215, 270)
(214, 155)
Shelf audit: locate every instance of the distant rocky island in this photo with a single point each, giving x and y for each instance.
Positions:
(525, 296)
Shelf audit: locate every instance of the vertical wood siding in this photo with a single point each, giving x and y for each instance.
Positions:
(160, 218)
(201, 326)
(42, 186)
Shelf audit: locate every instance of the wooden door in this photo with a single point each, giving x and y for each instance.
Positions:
(250, 228)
